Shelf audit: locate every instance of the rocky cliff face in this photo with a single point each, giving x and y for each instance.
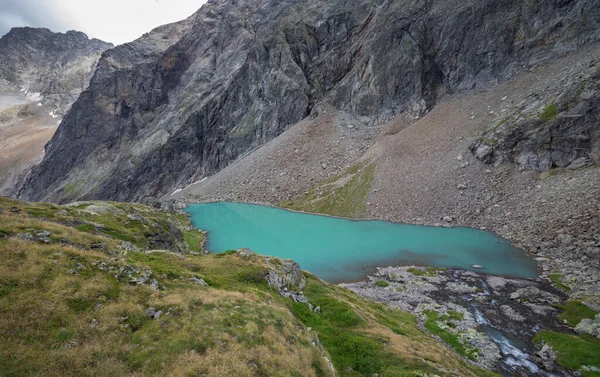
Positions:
(186, 99)
(55, 66)
(563, 133)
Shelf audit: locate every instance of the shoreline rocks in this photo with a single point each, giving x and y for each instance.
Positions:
(477, 309)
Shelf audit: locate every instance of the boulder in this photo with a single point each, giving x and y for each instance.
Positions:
(284, 273)
(589, 326)
(534, 295)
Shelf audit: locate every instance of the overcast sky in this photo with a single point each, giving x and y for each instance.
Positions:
(116, 21)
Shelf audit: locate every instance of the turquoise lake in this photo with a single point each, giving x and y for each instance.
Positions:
(343, 250)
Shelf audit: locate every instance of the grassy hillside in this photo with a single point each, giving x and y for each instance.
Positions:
(118, 289)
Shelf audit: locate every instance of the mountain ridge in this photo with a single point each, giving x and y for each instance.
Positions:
(58, 66)
(259, 68)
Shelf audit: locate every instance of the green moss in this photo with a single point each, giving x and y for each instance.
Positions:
(549, 112)
(572, 352)
(557, 280)
(416, 271)
(574, 311)
(382, 283)
(429, 271)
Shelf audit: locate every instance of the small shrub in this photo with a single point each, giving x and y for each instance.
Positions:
(549, 112)
(382, 283)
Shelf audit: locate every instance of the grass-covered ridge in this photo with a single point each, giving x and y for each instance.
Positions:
(75, 301)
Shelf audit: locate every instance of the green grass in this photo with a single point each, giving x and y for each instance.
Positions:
(452, 315)
(549, 112)
(572, 352)
(429, 271)
(574, 311)
(382, 283)
(557, 281)
(333, 198)
(453, 340)
(353, 351)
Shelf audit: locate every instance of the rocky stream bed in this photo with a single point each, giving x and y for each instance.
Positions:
(491, 320)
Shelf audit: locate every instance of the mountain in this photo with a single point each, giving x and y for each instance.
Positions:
(187, 99)
(56, 66)
(41, 74)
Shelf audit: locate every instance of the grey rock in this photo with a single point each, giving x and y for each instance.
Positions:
(199, 281)
(58, 66)
(187, 99)
(150, 312)
(296, 296)
(564, 137)
(246, 253)
(511, 313)
(590, 368)
(284, 273)
(578, 163)
(157, 314)
(547, 357)
(588, 326)
(533, 294)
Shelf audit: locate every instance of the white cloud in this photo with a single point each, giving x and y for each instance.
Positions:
(116, 21)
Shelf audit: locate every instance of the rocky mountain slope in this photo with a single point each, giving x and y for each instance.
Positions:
(98, 288)
(184, 101)
(53, 68)
(41, 74)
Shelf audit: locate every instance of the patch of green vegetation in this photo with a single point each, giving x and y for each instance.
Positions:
(344, 195)
(80, 304)
(382, 283)
(353, 351)
(226, 253)
(8, 287)
(452, 315)
(572, 351)
(194, 239)
(429, 271)
(574, 311)
(88, 228)
(453, 340)
(416, 271)
(549, 112)
(503, 121)
(488, 141)
(557, 280)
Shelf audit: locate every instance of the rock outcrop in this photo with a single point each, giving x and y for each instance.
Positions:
(187, 99)
(563, 134)
(52, 67)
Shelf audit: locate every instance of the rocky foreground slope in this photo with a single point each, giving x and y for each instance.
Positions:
(97, 289)
(187, 99)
